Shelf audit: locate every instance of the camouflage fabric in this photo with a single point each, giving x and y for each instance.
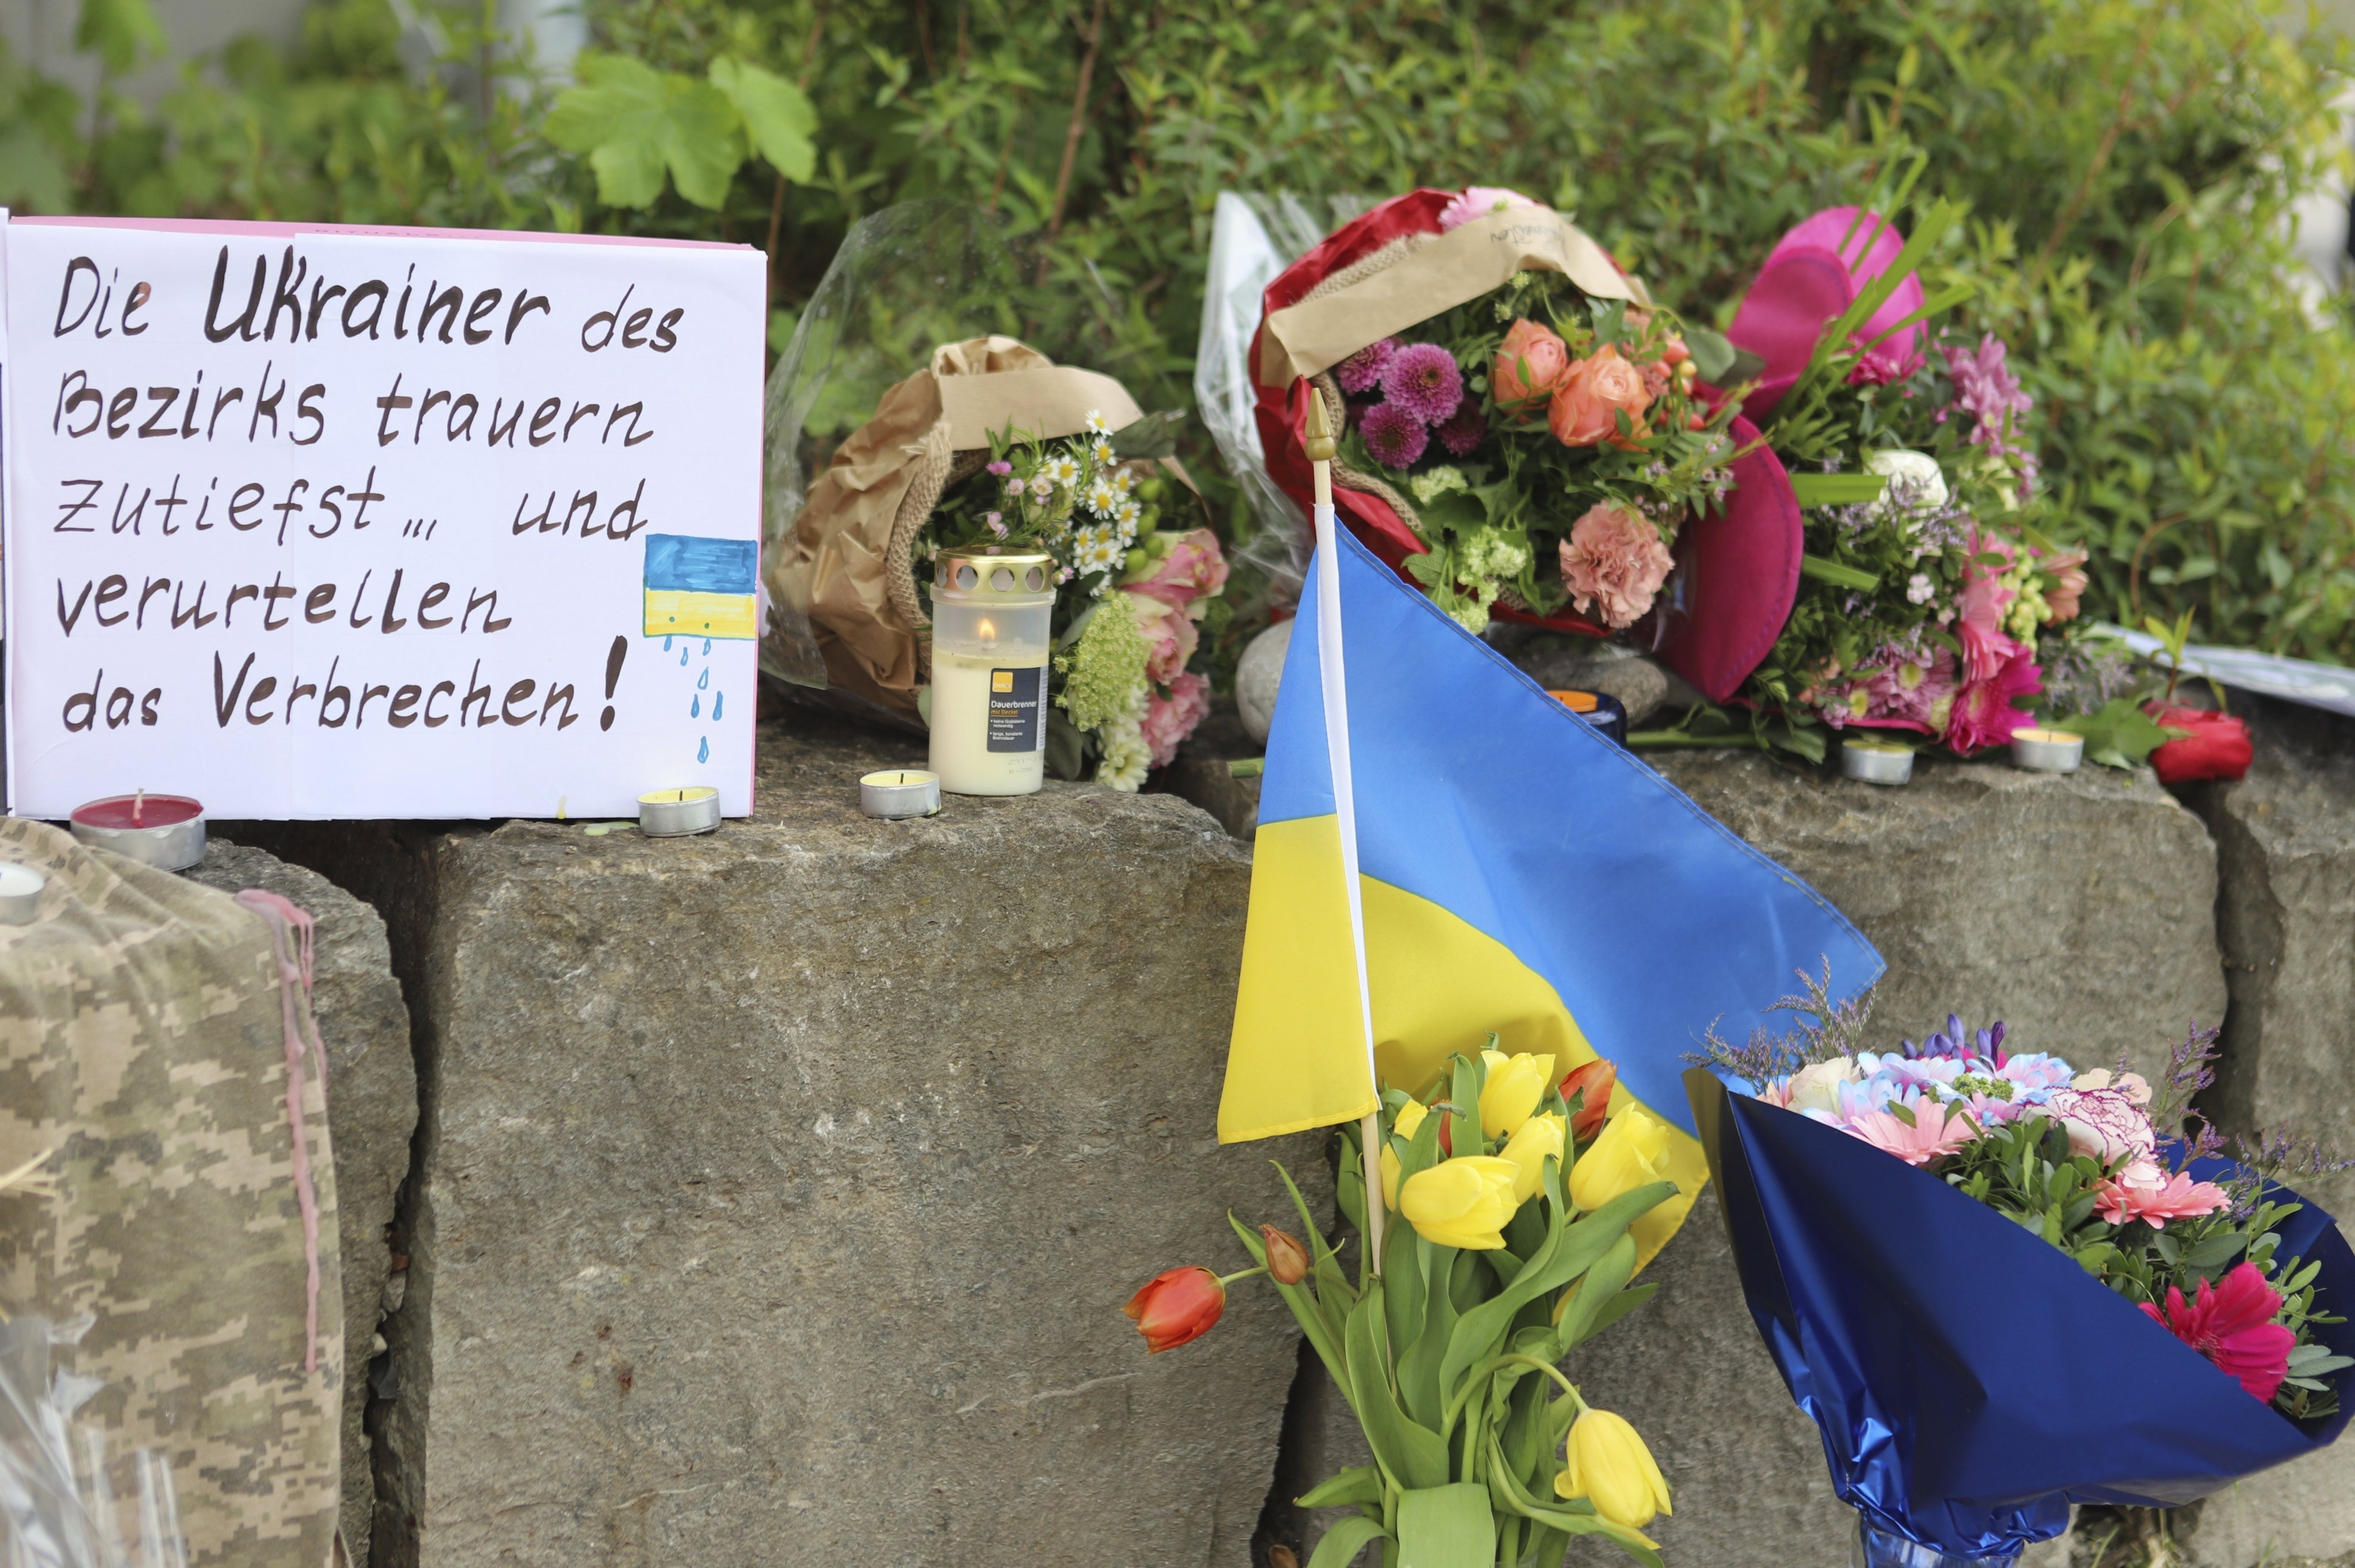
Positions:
(142, 1039)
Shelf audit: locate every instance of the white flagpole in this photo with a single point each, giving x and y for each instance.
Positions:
(1321, 445)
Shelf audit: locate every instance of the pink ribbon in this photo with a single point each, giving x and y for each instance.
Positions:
(291, 944)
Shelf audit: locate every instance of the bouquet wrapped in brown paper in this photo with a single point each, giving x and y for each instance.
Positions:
(991, 445)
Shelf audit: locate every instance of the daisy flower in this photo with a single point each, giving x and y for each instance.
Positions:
(1103, 451)
(1127, 513)
(1102, 497)
(1062, 470)
(1124, 481)
(1097, 423)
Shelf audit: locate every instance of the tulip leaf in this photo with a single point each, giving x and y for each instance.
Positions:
(1418, 1370)
(1323, 1336)
(1568, 1252)
(1413, 1454)
(1358, 1484)
(1611, 1311)
(1594, 1289)
(1402, 1281)
(1341, 1544)
(1447, 1527)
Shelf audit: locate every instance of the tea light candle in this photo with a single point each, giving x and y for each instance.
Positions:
(167, 831)
(1600, 709)
(1877, 762)
(898, 793)
(20, 893)
(679, 813)
(2046, 750)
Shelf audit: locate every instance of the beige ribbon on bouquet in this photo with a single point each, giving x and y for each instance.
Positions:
(1415, 278)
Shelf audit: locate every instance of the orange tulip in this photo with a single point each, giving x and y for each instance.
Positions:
(1176, 1307)
(1597, 1078)
(1287, 1260)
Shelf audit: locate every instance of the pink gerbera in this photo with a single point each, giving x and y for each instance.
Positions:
(1932, 1133)
(1983, 714)
(1395, 437)
(1423, 379)
(2232, 1325)
(2178, 1197)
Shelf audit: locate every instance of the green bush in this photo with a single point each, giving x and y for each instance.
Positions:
(2128, 167)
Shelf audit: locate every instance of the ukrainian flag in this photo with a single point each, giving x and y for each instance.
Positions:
(698, 587)
(1515, 872)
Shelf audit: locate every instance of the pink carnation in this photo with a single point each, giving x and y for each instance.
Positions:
(1169, 719)
(1169, 637)
(1478, 201)
(2103, 1123)
(1194, 569)
(1613, 557)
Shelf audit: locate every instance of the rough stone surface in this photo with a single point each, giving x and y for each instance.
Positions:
(2078, 908)
(372, 1111)
(780, 1189)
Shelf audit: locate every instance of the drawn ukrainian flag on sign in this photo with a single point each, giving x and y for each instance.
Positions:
(1520, 873)
(698, 587)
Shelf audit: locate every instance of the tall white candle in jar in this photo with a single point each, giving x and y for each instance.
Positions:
(992, 616)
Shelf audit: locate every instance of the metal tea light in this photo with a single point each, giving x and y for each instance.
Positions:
(167, 831)
(1876, 761)
(895, 794)
(992, 624)
(20, 892)
(679, 813)
(2046, 750)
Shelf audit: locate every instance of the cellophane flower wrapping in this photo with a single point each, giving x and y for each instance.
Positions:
(1969, 1379)
(65, 1502)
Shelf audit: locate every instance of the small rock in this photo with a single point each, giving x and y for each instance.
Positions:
(396, 1290)
(1258, 675)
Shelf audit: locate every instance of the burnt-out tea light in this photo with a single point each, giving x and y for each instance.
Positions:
(2046, 750)
(167, 831)
(679, 813)
(20, 893)
(898, 793)
(1877, 762)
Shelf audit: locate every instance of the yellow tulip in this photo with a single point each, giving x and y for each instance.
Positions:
(1540, 1138)
(1632, 1152)
(1409, 1116)
(1610, 1467)
(1461, 1202)
(1516, 1084)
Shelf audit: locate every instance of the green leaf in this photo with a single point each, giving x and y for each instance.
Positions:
(777, 116)
(1149, 435)
(1712, 353)
(634, 122)
(1418, 1365)
(1837, 574)
(1446, 1527)
(1341, 1544)
(120, 31)
(1601, 1284)
(1837, 489)
(1358, 1484)
(2119, 736)
(1414, 1455)
(32, 176)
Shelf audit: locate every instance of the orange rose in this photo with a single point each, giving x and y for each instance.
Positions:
(1593, 392)
(1530, 365)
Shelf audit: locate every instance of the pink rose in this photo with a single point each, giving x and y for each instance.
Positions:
(1478, 201)
(1169, 637)
(1590, 395)
(1194, 569)
(2103, 1123)
(1613, 557)
(1530, 364)
(1169, 719)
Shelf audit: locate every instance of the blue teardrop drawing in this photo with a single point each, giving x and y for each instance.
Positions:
(717, 698)
(706, 646)
(695, 708)
(703, 681)
(682, 658)
(703, 751)
(665, 645)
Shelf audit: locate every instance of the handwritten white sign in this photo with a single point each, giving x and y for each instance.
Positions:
(324, 522)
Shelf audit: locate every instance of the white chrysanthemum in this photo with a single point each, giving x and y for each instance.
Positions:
(1102, 497)
(1916, 483)
(1063, 471)
(1126, 757)
(1097, 423)
(1124, 481)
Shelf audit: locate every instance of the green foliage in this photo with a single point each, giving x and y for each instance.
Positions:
(2127, 174)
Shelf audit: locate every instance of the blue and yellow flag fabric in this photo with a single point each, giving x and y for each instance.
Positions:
(1518, 873)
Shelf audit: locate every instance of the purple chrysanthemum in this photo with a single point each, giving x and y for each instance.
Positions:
(1362, 370)
(1423, 379)
(1395, 437)
(1466, 431)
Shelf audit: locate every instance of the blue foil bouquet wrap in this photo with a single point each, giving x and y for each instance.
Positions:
(1970, 1381)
